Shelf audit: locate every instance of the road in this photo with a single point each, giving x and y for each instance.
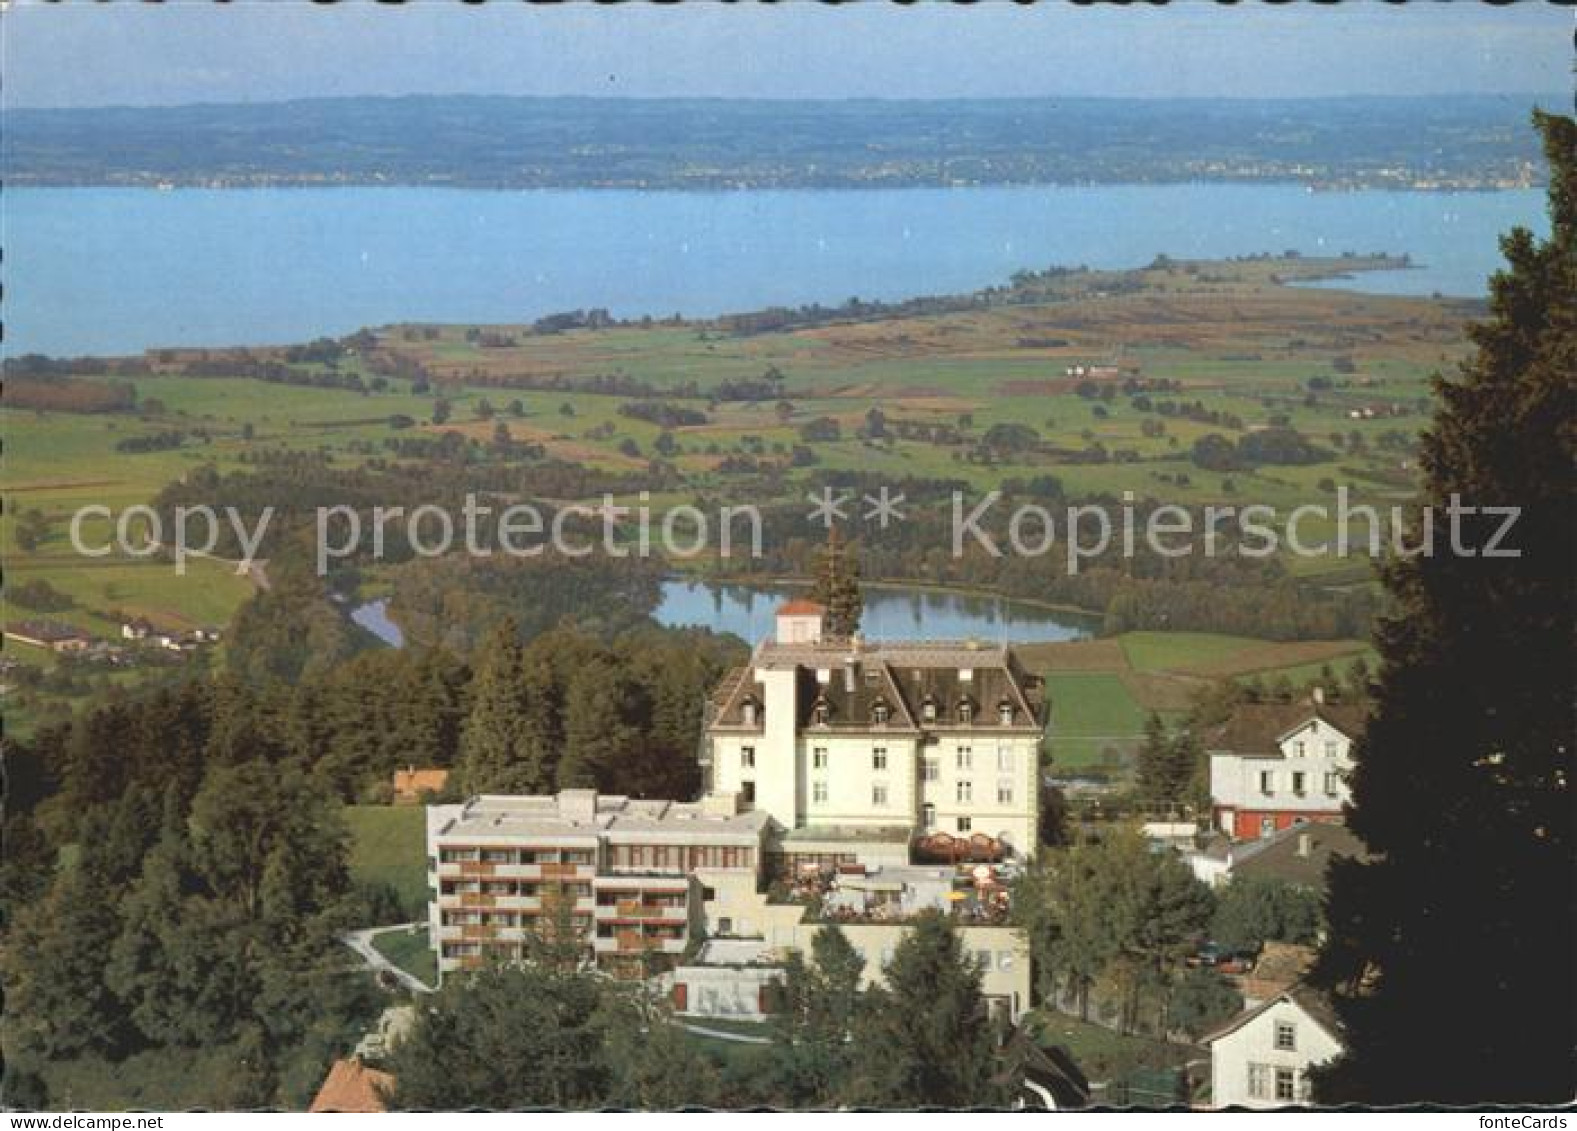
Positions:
(361, 943)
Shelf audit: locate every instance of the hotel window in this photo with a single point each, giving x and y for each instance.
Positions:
(1005, 759)
(818, 791)
(966, 758)
(747, 757)
(930, 769)
(965, 824)
(879, 758)
(1330, 749)
(1286, 1085)
(928, 816)
(966, 791)
(1267, 782)
(747, 792)
(1004, 792)
(1298, 748)
(818, 757)
(879, 796)
(1259, 1081)
(1297, 784)
(1286, 1036)
(1332, 781)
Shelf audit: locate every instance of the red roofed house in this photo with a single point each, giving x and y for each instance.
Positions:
(411, 785)
(799, 622)
(353, 1087)
(1275, 765)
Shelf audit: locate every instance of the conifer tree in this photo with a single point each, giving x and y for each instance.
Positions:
(496, 755)
(838, 588)
(925, 1039)
(1450, 955)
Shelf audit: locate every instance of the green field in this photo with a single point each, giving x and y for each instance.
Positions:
(1093, 716)
(1180, 651)
(388, 846)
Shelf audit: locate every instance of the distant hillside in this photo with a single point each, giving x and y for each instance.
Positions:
(1463, 142)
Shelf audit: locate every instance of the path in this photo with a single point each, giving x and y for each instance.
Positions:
(361, 943)
(723, 1034)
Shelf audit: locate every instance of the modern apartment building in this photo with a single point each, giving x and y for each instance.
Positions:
(865, 750)
(627, 875)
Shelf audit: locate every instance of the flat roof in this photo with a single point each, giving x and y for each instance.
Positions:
(579, 816)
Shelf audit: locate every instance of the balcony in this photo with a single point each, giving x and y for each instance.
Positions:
(632, 909)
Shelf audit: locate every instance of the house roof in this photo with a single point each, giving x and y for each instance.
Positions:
(353, 1087)
(1281, 966)
(1314, 1005)
(904, 675)
(1297, 855)
(800, 607)
(412, 782)
(51, 631)
(1257, 729)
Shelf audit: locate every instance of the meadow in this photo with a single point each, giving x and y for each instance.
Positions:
(1231, 348)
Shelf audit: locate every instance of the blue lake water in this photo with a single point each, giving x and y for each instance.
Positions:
(96, 270)
(892, 612)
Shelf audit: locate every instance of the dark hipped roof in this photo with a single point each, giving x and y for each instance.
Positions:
(1279, 857)
(904, 677)
(1257, 729)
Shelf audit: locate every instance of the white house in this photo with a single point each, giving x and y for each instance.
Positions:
(1275, 765)
(1262, 1057)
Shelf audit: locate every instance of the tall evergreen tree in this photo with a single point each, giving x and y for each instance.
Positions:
(495, 754)
(815, 1006)
(1450, 955)
(838, 588)
(925, 1038)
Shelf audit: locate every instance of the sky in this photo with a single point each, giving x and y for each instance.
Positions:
(77, 54)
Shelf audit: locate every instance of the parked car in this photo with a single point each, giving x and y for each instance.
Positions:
(1214, 956)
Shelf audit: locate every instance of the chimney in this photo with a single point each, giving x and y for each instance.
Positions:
(850, 670)
(1305, 843)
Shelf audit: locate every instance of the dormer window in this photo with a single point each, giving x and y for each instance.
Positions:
(751, 712)
(966, 712)
(1005, 714)
(821, 712)
(880, 712)
(928, 710)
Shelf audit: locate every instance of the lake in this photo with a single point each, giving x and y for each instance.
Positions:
(102, 270)
(892, 612)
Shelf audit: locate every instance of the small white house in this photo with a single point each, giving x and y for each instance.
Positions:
(1262, 1057)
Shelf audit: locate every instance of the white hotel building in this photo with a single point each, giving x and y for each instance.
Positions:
(884, 779)
(899, 748)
